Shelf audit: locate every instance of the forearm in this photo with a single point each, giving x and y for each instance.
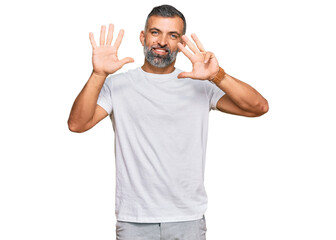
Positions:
(243, 95)
(84, 106)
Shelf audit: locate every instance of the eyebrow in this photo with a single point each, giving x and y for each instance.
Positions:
(151, 29)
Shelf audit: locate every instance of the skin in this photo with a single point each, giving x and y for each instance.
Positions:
(240, 98)
(164, 32)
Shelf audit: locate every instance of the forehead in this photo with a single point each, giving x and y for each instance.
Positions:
(166, 24)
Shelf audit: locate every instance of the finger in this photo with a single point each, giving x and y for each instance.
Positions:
(190, 44)
(93, 42)
(185, 51)
(198, 42)
(102, 35)
(110, 34)
(185, 75)
(207, 57)
(126, 60)
(119, 38)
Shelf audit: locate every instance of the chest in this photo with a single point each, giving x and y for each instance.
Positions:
(169, 107)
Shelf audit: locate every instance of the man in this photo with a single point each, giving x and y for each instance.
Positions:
(160, 119)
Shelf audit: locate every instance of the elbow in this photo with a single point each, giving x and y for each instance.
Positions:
(263, 108)
(258, 109)
(73, 127)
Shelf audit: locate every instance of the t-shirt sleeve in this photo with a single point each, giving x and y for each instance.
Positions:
(214, 94)
(105, 96)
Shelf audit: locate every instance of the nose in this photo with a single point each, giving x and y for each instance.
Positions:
(162, 40)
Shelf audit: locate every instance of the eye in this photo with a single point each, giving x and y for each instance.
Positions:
(155, 33)
(174, 36)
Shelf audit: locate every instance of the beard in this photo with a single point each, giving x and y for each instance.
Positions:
(158, 60)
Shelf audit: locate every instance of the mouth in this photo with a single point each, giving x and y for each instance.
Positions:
(160, 51)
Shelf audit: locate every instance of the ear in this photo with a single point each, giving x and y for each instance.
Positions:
(142, 38)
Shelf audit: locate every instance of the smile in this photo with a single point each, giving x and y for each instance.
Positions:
(160, 51)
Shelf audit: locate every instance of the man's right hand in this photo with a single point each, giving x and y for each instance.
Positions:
(105, 57)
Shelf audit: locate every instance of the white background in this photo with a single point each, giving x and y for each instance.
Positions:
(271, 177)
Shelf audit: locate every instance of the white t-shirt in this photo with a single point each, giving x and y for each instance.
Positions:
(161, 127)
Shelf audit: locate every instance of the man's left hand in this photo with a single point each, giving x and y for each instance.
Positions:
(205, 64)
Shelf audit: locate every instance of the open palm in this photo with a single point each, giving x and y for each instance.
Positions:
(105, 59)
(205, 64)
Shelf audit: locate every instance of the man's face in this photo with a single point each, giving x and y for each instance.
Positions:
(160, 40)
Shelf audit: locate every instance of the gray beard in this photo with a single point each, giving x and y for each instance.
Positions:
(158, 60)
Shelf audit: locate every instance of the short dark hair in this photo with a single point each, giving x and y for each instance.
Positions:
(167, 11)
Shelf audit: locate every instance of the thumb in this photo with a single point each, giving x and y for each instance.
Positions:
(185, 75)
(126, 60)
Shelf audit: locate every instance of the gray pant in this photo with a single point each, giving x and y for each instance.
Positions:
(187, 230)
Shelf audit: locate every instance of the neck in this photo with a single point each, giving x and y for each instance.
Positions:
(147, 67)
